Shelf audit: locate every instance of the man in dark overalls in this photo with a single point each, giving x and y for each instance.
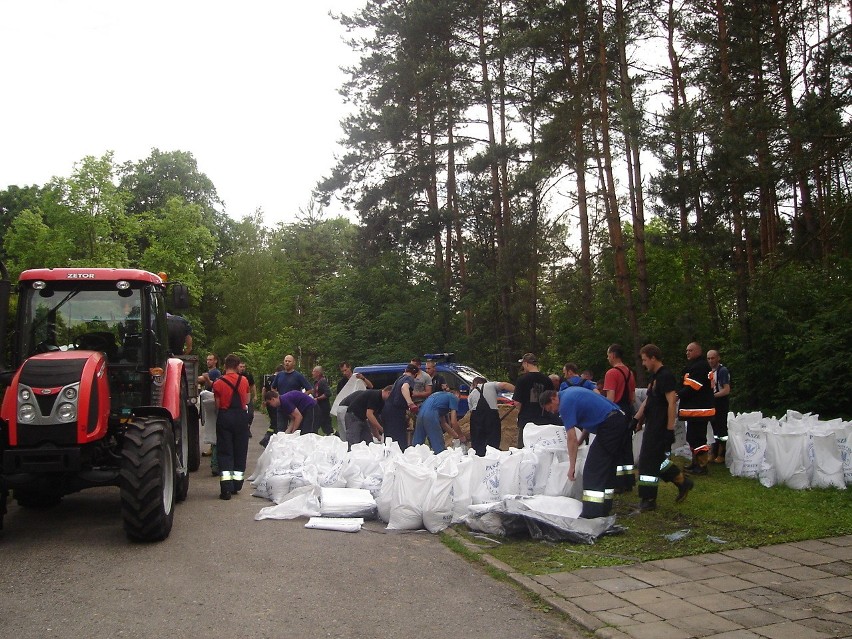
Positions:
(485, 428)
(231, 392)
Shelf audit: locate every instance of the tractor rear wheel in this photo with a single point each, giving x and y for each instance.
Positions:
(147, 479)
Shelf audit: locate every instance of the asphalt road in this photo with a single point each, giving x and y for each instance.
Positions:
(70, 572)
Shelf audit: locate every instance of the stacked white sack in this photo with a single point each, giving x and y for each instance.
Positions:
(797, 450)
(415, 489)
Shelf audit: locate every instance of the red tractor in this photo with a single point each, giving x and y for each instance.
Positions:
(94, 397)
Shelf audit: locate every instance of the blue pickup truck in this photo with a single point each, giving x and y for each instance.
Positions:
(455, 375)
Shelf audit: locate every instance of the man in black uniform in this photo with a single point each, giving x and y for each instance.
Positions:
(362, 412)
(658, 412)
(697, 407)
(528, 390)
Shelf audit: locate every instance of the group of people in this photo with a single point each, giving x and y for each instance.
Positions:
(579, 404)
(701, 397)
(373, 413)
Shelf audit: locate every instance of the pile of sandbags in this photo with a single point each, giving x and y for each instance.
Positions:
(798, 450)
(414, 489)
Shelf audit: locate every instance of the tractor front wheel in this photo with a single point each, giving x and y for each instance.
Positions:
(147, 479)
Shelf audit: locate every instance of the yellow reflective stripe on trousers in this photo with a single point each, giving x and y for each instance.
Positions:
(226, 476)
(624, 470)
(238, 475)
(596, 496)
(648, 480)
(609, 493)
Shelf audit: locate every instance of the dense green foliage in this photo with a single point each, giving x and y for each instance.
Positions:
(529, 176)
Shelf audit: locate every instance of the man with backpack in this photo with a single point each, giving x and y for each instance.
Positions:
(620, 388)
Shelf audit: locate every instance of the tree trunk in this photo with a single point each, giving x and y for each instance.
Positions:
(737, 206)
(622, 273)
(504, 268)
(634, 166)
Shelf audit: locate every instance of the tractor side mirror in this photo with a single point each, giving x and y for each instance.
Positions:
(180, 296)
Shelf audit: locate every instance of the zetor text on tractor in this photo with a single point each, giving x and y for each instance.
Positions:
(93, 395)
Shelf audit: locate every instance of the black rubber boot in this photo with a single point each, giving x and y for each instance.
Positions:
(646, 505)
(684, 485)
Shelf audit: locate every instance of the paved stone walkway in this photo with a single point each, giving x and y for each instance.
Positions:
(800, 590)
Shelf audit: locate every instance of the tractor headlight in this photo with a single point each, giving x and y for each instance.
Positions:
(66, 412)
(26, 413)
(70, 393)
(25, 394)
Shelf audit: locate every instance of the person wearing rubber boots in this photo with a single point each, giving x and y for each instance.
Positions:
(659, 413)
(231, 392)
(591, 412)
(720, 382)
(697, 407)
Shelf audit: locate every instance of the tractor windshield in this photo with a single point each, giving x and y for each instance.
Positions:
(100, 319)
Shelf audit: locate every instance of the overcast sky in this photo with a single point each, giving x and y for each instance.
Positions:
(249, 88)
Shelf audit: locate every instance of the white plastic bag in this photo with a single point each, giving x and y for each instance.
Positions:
(347, 524)
(785, 461)
(826, 461)
(438, 504)
(411, 485)
(347, 502)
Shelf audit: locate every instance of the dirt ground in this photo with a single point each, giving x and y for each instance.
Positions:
(509, 432)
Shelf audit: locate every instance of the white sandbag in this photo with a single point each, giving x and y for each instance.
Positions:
(384, 499)
(461, 491)
(826, 461)
(680, 446)
(347, 502)
(558, 483)
(547, 437)
(278, 487)
(352, 385)
(485, 478)
(528, 475)
(549, 505)
(748, 445)
(342, 524)
(575, 488)
(208, 416)
(410, 486)
(508, 473)
(438, 504)
(843, 435)
(302, 502)
(786, 460)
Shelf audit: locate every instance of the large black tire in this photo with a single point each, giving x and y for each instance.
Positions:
(147, 481)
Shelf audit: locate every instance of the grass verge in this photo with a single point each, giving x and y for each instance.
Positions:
(740, 512)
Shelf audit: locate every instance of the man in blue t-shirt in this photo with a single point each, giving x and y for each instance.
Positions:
(437, 413)
(571, 377)
(290, 379)
(591, 412)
